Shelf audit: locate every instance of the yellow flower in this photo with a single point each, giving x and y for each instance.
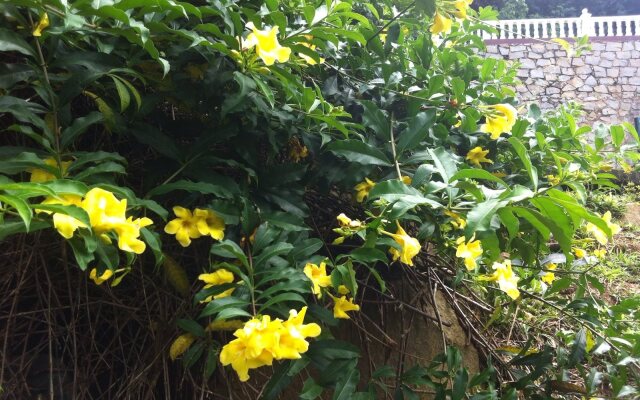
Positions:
(461, 8)
(500, 119)
(306, 58)
(499, 174)
(180, 345)
(478, 155)
(251, 347)
(409, 246)
(216, 278)
(209, 223)
(606, 167)
(507, 280)
(292, 343)
(185, 227)
(600, 253)
(318, 276)
(129, 232)
(65, 224)
(599, 234)
(626, 167)
(262, 340)
(267, 45)
(344, 220)
(99, 280)
(42, 175)
(42, 24)
(458, 222)
(105, 211)
(553, 180)
(548, 276)
(363, 189)
(441, 24)
(342, 305)
(469, 251)
(338, 240)
(406, 180)
(580, 253)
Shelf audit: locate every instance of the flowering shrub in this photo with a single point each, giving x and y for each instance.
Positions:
(242, 117)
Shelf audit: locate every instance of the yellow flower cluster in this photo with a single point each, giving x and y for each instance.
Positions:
(341, 305)
(506, 278)
(548, 276)
(500, 119)
(599, 234)
(469, 251)
(192, 225)
(457, 221)
(106, 214)
(99, 280)
(478, 155)
(409, 246)
(447, 10)
(267, 46)
(216, 278)
(261, 340)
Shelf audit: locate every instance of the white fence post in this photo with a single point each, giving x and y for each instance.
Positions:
(586, 24)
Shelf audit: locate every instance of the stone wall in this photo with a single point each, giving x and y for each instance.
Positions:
(605, 80)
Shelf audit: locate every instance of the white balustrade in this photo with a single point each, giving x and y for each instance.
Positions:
(548, 28)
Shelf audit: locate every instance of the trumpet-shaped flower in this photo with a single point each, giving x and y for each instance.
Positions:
(469, 251)
(209, 223)
(310, 60)
(461, 8)
(216, 278)
(100, 279)
(42, 24)
(105, 211)
(441, 24)
(409, 246)
(185, 227)
(363, 189)
(292, 337)
(548, 276)
(580, 253)
(261, 340)
(42, 175)
(251, 348)
(600, 253)
(346, 222)
(342, 305)
(318, 276)
(599, 234)
(478, 155)
(458, 222)
(129, 232)
(267, 46)
(506, 278)
(500, 119)
(65, 224)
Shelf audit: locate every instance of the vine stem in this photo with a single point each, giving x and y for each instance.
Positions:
(393, 148)
(54, 107)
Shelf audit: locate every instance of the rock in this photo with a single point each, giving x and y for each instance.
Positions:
(552, 90)
(592, 60)
(563, 62)
(536, 73)
(620, 63)
(585, 89)
(614, 46)
(577, 62)
(632, 214)
(542, 62)
(591, 81)
(627, 46)
(563, 78)
(584, 70)
(613, 73)
(527, 63)
(601, 89)
(608, 111)
(629, 71)
(516, 55)
(635, 80)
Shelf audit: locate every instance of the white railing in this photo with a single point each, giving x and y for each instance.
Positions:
(548, 28)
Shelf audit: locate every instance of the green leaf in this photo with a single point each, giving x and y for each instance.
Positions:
(21, 206)
(246, 85)
(522, 152)
(617, 135)
(480, 217)
(191, 326)
(473, 173)
(578, 349)
(397, 191)
(229, 249)
(416, 132)
(123, 93)
(12, 227)
(11, 41)
(261, 260)
(189, 186)
(359, 152)
(346, 385)
(71, 210)
(78, 127)
(282, 297)
(375, 119)
(310, 390)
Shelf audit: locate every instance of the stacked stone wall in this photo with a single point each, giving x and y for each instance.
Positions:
(605, 80)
